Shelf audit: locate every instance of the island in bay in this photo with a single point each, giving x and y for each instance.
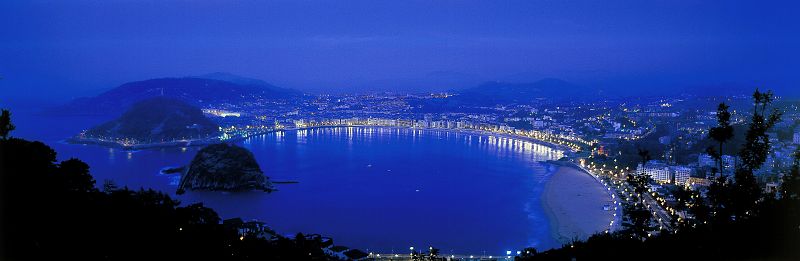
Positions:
(224, 167)
(154, 122)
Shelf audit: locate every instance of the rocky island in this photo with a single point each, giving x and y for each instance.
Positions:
(153, 122)
(225, 167)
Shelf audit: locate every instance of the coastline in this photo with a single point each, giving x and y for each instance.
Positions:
(563, 148)
(203, 142)
(573, 202)
(142, 146)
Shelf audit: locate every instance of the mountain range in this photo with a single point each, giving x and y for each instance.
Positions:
(209, 88)
(503, 93)
(215, 88)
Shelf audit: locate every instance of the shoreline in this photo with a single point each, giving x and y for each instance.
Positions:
(202, 142)
(563, 148)
(573, 202)
(143, 146)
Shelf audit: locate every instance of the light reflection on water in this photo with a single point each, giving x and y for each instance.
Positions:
(346, 155)
(376, 188)
(506, 146)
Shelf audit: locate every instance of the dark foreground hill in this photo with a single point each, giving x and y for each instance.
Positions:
(52, 210)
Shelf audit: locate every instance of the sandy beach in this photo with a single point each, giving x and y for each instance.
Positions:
(574, 201)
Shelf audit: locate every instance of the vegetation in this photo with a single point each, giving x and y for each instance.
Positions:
(736, 221)
(53, 211)
(721, 134)
(5, 124)
(639, 218)
(157, 120)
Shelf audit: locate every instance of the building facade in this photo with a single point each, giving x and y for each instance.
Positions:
(663, 173)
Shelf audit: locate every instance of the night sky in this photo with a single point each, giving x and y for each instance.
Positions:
(57, 50)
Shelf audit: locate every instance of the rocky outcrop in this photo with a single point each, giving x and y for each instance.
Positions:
(224, 167)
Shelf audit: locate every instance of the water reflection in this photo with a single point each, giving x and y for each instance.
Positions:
(502, 146)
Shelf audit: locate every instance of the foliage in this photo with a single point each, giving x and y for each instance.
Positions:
(757, 142)
(156, 120)
(644, 155)
(5, 124)
(639, 217)
(53, 211)
(721, 134)
(736, 221)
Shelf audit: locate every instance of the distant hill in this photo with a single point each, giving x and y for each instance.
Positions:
(436, 81)
(158, 119)
(504, 93)
(193, 90)
(245, 81)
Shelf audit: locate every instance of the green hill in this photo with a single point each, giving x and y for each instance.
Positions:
(157, 120)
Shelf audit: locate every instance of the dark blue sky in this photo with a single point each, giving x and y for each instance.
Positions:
(62, 49)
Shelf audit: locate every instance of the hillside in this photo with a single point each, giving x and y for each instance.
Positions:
(193, 90)
(246, 81)
(157, 119)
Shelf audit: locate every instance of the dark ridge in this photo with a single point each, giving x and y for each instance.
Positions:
(192, 90)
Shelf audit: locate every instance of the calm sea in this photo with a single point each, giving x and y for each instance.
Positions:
(376, 189)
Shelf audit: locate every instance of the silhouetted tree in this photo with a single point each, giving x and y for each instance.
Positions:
(75, 176)
(790, 187)
(639, 218)
(683, 198)
(698, 208)
(109, 185)
(52, 211)
(721, 134)
(5, 124)
(644, 154)
(197, 214)
(717, 157)
(735, 222)
(746, 191)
